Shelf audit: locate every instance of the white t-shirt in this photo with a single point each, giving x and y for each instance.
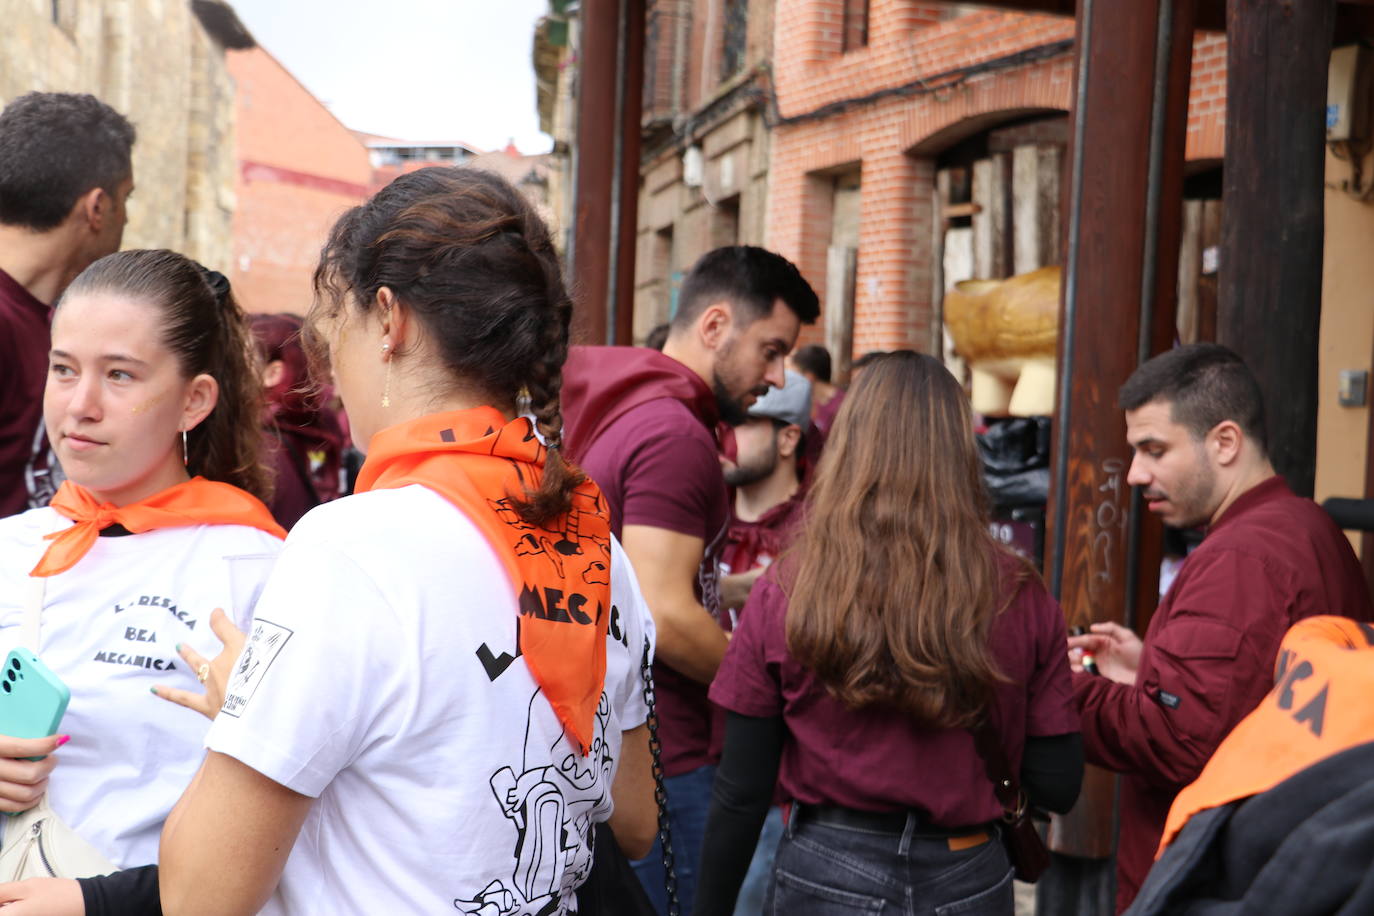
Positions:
(110, 628)
(383, 678)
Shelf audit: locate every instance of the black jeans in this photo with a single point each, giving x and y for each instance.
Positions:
(823, 869)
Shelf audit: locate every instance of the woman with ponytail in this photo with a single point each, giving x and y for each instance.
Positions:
(442, 693)
(152, 405)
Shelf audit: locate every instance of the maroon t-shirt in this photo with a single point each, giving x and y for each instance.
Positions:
(879, 759)
(657, 466)
(1272, 559)
(760, 542)
(825, 414)
(24, 344)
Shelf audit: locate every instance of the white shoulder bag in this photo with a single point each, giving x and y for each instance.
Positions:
(37, 843)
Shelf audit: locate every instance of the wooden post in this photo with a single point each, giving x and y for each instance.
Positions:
(1189, 272)
(991, 223)
(939, 224)
(1269, 306)
(606, 192)
(1035, 207)
(841, 265)
(1129, 120)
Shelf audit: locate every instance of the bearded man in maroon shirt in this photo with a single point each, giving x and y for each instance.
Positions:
(642, 424)
(1195, 420)
(65, 175)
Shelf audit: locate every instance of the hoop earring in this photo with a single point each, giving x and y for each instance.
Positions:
(185, 453)
(386, 385)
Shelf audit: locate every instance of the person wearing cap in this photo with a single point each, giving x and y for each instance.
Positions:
(766, 475)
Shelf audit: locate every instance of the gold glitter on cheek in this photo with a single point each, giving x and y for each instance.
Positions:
(149, 404)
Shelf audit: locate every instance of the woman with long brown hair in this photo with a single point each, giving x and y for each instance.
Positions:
(893, 630)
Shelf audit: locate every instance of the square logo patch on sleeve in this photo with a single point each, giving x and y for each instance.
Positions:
(261, 650)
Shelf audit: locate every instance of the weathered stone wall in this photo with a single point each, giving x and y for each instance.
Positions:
(154, 62)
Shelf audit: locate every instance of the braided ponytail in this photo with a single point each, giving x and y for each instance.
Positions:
(475, 262)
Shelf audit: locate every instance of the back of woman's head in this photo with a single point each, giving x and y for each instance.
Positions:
(897, 578)
(203, 327)
(469, 255)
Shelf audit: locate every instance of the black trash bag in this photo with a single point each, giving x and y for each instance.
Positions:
(1016, 461)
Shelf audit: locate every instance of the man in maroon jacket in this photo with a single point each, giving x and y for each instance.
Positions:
(1195, 419)
(65, 174)
(642, 424)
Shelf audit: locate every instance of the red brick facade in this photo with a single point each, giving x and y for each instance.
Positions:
(893, 138)
(299, 168)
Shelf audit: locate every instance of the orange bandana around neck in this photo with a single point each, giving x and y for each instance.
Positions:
(1319, 707)
(196, 502)
(560, 571)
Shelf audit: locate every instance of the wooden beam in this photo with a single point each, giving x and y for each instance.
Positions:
(991, 219)
(1128, 129)
(1035, 207)
(608, 132)
(1269, 307)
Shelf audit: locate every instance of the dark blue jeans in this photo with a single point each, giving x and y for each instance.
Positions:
(825, 870)
(689, 800)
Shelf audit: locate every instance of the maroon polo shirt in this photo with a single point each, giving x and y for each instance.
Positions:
(879, 759)
(642, 426)
(24, 344)
(1272, 559)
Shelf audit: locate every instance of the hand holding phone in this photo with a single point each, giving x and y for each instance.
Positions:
(32, 703)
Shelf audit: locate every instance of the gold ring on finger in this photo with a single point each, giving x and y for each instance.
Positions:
(203, 672)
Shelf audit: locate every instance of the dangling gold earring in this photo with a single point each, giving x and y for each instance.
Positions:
(386, 385)
(185, 453)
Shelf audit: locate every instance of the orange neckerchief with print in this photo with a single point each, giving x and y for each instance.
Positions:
(560, 571)
(1319, 706)
(195, 502)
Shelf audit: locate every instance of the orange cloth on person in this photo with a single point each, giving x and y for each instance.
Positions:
(560, 571)
(1323, 679)
(195, 502)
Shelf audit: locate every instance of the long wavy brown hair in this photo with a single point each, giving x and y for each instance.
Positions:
(897, 579)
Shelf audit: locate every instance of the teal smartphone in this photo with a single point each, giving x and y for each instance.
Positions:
(32, 698)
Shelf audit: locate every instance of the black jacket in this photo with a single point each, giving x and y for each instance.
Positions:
(1303, 848)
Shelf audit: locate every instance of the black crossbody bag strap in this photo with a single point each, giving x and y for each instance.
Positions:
(665, 833)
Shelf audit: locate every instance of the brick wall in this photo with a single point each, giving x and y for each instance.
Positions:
(893, 140)
(298, 169)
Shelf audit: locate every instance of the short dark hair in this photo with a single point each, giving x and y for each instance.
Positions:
(1203, 384)
(656, 338)
(815, 359)
(54, 147)
(751, 279)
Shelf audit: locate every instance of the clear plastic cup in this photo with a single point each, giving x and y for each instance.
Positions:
(247, 575)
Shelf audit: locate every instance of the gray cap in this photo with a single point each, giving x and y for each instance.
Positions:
(791, 403)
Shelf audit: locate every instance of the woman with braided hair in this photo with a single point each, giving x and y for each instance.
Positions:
(441, 694)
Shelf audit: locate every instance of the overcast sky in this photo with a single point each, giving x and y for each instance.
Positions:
(412, 69)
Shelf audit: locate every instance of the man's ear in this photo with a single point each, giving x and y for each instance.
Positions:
(1225, 441)
(92, 209)
(789, 437)
(715, 324)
